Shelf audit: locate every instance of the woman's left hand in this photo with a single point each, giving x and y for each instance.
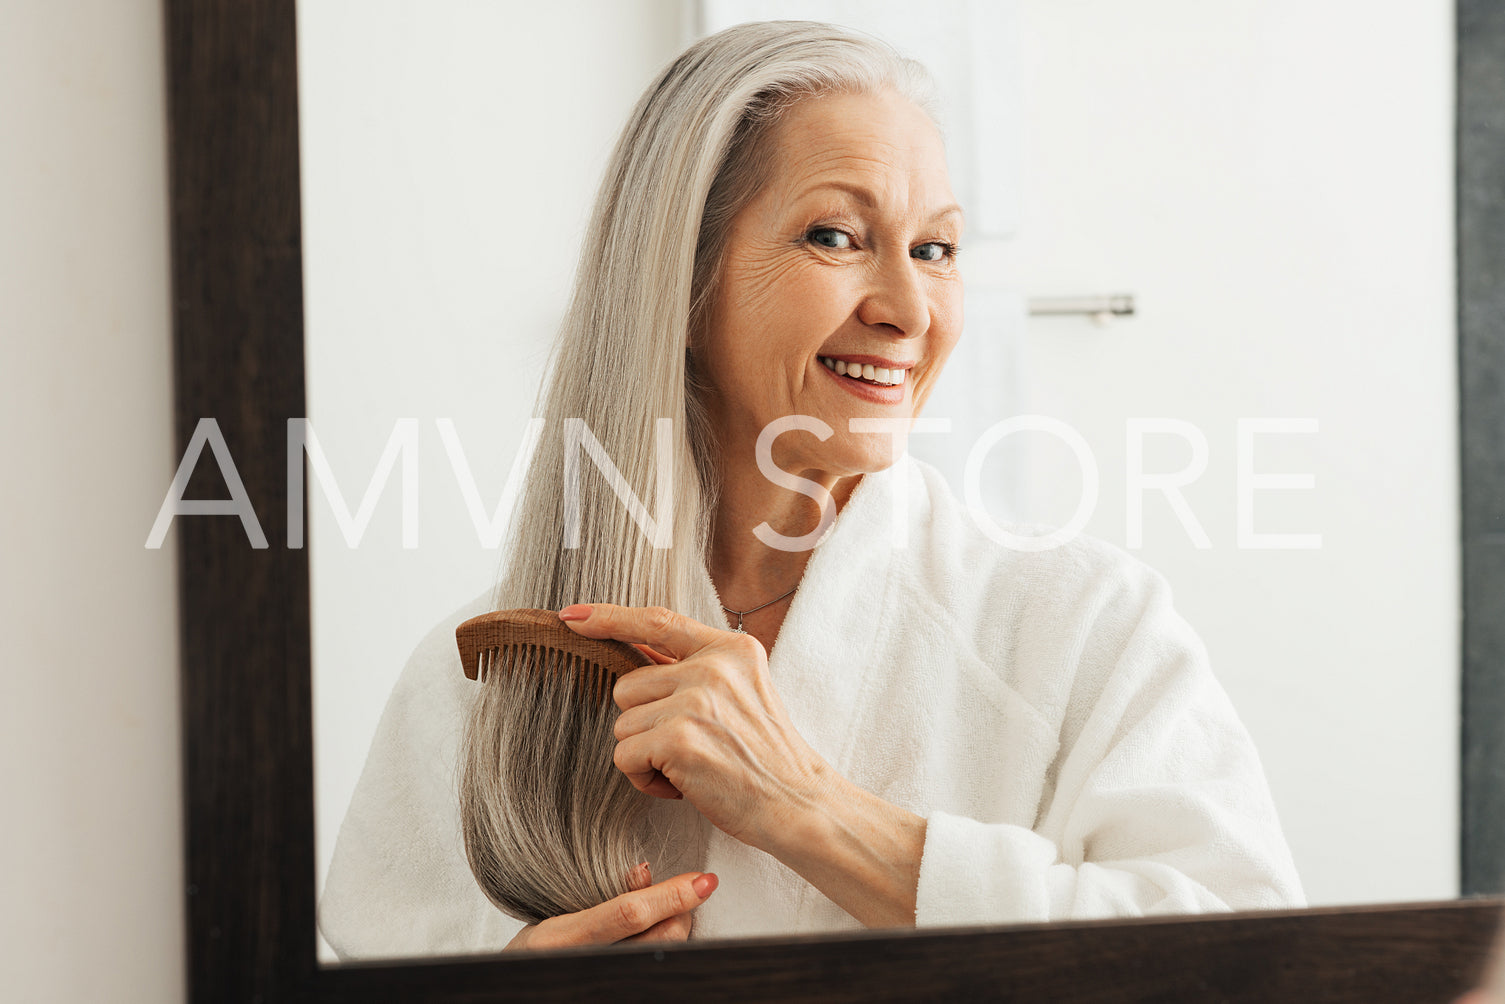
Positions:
(706, 722)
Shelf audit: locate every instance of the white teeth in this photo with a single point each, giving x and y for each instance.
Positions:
(873, 374)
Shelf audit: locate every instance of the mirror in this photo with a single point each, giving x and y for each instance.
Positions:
(1290, 260)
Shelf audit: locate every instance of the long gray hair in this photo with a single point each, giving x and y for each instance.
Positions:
(550, 825)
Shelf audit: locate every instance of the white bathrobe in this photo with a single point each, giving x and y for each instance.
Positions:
(1049, 713)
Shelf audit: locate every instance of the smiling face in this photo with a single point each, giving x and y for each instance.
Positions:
(839, 295)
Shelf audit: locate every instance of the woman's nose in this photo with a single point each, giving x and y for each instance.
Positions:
(898, 299)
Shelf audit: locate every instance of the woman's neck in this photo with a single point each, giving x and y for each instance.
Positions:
(748, 572)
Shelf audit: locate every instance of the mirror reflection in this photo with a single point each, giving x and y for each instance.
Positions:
(990, 604)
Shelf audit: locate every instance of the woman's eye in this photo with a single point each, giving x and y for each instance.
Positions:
(829, 238)
(934, 251)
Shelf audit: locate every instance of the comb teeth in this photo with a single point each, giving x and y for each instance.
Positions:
(546, 663)
(536, 642)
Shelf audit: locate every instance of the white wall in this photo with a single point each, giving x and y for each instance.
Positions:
(1274, 181)
(92, 906)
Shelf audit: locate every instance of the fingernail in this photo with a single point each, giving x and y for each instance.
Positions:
(705, 885)
(575, 612)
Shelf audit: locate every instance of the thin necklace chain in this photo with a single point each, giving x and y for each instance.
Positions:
(743, 613)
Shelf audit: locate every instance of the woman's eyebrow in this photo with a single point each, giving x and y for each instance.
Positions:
(951, 210)
(869, 200)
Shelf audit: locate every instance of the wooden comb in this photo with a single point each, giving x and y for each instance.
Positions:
(505, 639)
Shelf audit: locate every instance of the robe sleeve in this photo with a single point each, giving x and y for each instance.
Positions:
(399, 883)
(1156, 802)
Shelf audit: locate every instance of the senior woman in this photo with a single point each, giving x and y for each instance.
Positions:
(863, 710)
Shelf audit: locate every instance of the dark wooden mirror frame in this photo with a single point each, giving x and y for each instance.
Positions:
(237, 289)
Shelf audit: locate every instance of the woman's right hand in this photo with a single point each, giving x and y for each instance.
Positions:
(647, 913)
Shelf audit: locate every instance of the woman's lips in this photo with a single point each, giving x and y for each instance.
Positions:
(866, 391)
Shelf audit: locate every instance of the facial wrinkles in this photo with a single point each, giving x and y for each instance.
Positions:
(774, 258)
(900, 217)
(768, 257)
(818, 155)
(873, 173)
(761, 273)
